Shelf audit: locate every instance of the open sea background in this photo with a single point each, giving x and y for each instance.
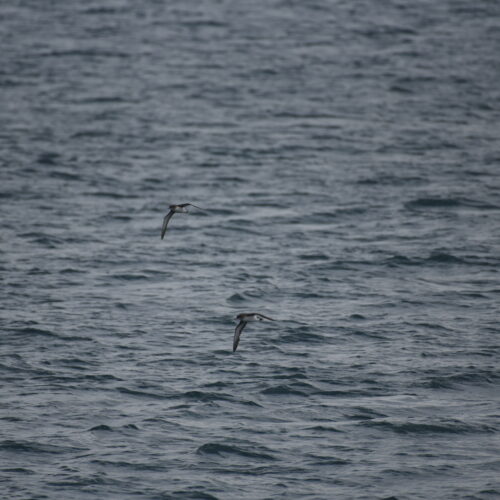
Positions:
(348, 153)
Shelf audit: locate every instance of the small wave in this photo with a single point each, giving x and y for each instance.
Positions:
(390, 180)
(283, 390)
(191, 494)
(29, 330)
(370, 335)
(475, 377)
(129, 465)
(109, 194)
(436, 202)
(245, 296)
(216, 385)
(211, 23)
(11, 82)
(11, 370)
(236, 297)
(131, 426)
(314, 256)
(326, 460)
(322, 428)
(303, 386)
(10, 419)
(439, 257)
(71, 270)
(492, 493)
(102, 100)
(18, 470)
(352, 393)
(101, 428)
(107, 428)
(241, 226)
(101, 377)
(224, 449)
(249, 402)
(90, 134)
(444, 258)
(45, 240)
(66, 176)
(290, 376)
(318, 218)
(102, 10)
(433, 326)
(400, 89)
(357, 316)
(129, 277)
(365, 414)
(36, 271)
(452, 427)
(90, 53)
(104, 218)
(350, 211)
(48, 158)
(300, 334)
(400, 260)
(82, 482)
(143, 394)
(34, 447)
(204, 396)
(228, 179)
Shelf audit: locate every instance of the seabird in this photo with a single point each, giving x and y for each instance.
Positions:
(244, 319)
(181, 209)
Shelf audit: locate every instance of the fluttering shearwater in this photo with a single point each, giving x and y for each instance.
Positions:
(180, 209)
(244, 319)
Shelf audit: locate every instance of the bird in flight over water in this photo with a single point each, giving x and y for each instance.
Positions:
(180, 209)
(244, 319)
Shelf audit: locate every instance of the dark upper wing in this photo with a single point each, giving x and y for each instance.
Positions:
(190, 205)
(165, 223)
(267, 317)
(237, 334)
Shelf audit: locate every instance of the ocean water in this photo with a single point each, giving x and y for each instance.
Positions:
(347, 156)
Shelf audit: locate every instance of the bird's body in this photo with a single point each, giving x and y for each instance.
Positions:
(175, 209)
(179, 209)
(245, 318)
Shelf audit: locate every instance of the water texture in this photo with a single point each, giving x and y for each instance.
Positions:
(348, 156)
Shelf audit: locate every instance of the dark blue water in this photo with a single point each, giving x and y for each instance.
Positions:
(349, 155)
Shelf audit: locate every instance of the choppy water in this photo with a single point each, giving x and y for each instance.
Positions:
(349, 154)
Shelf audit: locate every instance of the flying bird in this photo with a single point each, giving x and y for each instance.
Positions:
(244, 319)
(181, 209)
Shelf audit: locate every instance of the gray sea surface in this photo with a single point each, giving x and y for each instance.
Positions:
(347, 156)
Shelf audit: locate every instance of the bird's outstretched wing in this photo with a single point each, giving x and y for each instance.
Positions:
(237, 334)
(191, 205)
(267, 317)
(165, 223)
